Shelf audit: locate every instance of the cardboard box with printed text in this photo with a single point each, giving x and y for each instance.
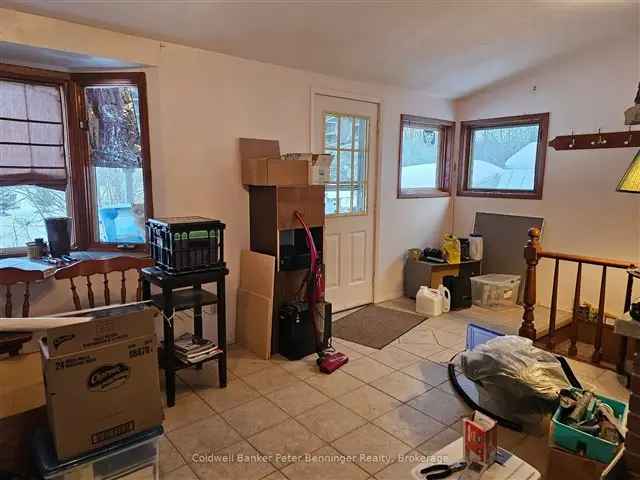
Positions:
(101, 378)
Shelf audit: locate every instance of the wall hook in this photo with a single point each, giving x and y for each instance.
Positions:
(600, 141)
(628, 140)
(573, 139)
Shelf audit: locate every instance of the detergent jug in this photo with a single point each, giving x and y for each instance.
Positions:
(433, 302)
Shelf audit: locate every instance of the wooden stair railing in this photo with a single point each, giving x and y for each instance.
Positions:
(533, 252)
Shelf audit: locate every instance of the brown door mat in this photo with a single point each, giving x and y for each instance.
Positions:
(375, 326)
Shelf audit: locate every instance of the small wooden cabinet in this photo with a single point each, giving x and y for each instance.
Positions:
(418, 273)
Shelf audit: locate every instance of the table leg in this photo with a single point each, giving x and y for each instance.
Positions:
(197, 321)
(169, 361)
(222, 331)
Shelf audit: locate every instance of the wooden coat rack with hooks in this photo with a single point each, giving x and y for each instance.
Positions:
(630, 138)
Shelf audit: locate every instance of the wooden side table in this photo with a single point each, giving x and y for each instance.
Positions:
(418, 273)
(185, 299)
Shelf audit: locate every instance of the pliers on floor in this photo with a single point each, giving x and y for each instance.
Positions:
(437, 472)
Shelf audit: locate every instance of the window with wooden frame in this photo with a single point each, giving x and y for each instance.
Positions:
(424, 166)
(503, 157)
(73, 145)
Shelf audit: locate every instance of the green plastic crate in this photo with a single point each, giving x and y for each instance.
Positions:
(595, 448)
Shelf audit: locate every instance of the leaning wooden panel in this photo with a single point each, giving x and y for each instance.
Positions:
(255, 302)
(254, 323)
(257, 273)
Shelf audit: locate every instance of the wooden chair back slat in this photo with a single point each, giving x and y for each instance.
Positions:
(87, 268)
(107, 294)
(13, 276)
(123, 289)
(92, 301)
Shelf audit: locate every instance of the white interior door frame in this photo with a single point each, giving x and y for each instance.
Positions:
(313, 91)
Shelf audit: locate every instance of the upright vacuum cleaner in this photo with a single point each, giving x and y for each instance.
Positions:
(328, 359)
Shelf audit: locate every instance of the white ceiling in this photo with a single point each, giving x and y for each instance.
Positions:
(450, 48)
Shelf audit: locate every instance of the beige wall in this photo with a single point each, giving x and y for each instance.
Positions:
(582, 211)
(200, 102)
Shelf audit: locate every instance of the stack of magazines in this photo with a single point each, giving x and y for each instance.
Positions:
(192, 349)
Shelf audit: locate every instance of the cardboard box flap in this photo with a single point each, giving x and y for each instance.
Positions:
(105, 327)
(36, 324)
(259, 148)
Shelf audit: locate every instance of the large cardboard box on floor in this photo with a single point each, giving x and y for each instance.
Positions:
(101, 378)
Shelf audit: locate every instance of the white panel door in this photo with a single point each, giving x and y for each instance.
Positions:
(347, 129)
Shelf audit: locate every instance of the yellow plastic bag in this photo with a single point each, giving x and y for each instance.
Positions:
(451, 249)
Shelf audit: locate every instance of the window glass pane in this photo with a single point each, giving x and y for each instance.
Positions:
(419, 157)
(503, 158)
(345, 166)
(359, 200)
(23, 210)
(360, 166)
(333, 166)
(330, 131)
(346, 132)
(344, 200)
(115, 150)
(361, 129)
(330, 199)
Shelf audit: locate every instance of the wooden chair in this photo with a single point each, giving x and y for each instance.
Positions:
(87, 268)
(11, 342)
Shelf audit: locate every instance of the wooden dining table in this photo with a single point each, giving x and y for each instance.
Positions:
(49, 269)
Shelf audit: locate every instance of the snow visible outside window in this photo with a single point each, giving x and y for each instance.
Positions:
(504, 158)
(346, 140)
(33, 172)
(23, 209)
(419, 158)
(115, 151)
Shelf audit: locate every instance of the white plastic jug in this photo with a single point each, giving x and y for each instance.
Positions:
(446, 298)
(433, 302)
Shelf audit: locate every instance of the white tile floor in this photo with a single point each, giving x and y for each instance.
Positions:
(385, 405)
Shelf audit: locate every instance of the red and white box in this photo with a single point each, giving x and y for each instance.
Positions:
(480, 439)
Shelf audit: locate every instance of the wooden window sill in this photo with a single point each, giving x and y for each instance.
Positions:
(500, 194)
(423, 194)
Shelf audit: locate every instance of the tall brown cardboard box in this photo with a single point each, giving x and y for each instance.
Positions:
(101, 379)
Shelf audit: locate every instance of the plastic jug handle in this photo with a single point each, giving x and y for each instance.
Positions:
(446, 295)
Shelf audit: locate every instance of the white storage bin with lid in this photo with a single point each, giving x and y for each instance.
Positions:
(134, 458)
(495, 289)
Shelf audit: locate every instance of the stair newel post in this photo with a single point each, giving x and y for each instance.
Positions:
(531, 251)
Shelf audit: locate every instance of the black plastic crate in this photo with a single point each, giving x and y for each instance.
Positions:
(186, 244)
